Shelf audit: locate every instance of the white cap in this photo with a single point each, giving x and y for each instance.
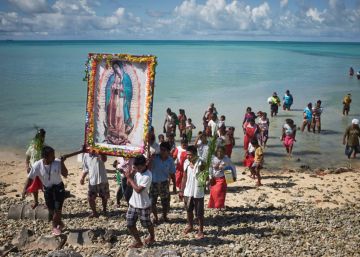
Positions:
(355, 121)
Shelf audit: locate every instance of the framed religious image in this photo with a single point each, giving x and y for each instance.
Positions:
(119, 103)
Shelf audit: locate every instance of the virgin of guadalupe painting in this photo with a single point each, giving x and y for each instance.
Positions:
(119, 106)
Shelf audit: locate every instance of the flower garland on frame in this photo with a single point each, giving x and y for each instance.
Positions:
(90, 76)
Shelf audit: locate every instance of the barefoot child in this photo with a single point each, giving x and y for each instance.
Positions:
(258, 161)
(140, 203)
(49, 170)
(192, 193)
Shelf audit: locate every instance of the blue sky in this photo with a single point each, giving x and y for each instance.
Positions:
(304, 20)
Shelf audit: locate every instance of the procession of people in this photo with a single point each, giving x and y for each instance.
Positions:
(144, 179)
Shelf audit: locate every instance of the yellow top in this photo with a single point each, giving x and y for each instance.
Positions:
(259, 155)
(347, 100)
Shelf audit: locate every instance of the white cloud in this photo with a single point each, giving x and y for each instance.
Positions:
(260, 12)
(31, 6)
(314, 14)
(73, 6)
(191, 19)
(217, 15)
(283, 3)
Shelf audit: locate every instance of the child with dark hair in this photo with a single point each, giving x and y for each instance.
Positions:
(140, 203)
(50, 170)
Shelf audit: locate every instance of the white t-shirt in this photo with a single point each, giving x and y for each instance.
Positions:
(223, 165)
(141, 200)
(202, 150)
(93, 165)
(214, 127)
(192, 188)
(49, 174)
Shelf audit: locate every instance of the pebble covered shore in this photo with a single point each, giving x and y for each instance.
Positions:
(294, 229)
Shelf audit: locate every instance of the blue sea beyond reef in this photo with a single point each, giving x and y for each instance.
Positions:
(41, 86)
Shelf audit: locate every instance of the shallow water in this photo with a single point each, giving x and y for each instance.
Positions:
(42, 86)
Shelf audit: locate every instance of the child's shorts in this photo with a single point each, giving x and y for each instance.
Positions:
(133, 214)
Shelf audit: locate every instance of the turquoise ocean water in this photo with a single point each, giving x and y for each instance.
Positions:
(41, 85)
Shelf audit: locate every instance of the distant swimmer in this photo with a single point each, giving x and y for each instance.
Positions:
(358, 74)
(351, 71)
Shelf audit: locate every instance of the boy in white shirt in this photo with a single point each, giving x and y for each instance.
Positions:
(50, 170)
(192, 192)
(93, 164)
(140, 203)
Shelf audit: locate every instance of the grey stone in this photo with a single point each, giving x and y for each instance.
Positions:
(23, 238)
(79, 238)
(110, 236)
(198, 249)
(64, 253)
(46, 242)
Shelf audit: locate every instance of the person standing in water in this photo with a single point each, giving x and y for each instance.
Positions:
(274, 102)
(288, 100)
(307, 115)
(346, 102)
(316, 116)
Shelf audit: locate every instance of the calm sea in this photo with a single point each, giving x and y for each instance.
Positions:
(41, 86)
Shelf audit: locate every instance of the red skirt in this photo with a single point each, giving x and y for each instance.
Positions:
(249, 160)
(35, 186)
(218, 193)
(178, 177)
(228, 150)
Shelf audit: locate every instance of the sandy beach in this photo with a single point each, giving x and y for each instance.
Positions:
(257, 220)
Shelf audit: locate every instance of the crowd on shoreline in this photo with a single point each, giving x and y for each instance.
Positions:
(191, 167)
